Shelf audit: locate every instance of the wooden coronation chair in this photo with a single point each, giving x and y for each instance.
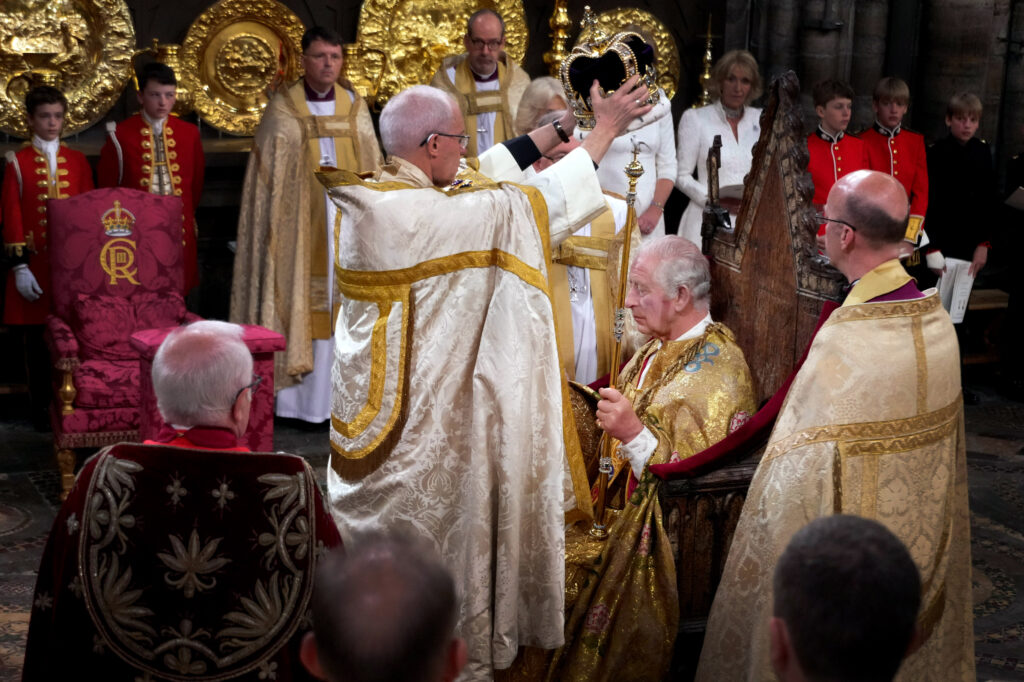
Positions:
(770, 286)
(117, 268)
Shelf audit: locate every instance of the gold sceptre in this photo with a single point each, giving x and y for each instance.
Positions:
(633, 172)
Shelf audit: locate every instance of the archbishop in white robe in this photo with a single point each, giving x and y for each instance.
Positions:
(448, 416)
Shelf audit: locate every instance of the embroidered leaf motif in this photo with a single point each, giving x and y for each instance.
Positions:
(192, 563)
(183, 663)
(117, 473)
(119, 601)
(261, 614)
(286, 486)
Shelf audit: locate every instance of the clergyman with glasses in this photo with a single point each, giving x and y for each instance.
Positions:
(448, 417)
(485, 81)
(283, 278)
(872, 426)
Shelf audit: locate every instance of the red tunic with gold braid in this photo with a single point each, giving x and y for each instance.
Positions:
(24, 220)
(901, 154)
(830, 159)
(138, 160)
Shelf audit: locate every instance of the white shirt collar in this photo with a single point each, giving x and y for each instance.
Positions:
(47, 146)
(158, 126)
(696, 330)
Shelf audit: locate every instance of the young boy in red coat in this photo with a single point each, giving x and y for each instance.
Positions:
(833, 152)
(43, 169)
(900, 152)
(158, 153)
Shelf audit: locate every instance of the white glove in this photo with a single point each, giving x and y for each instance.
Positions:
(26, 283)
(935, 261)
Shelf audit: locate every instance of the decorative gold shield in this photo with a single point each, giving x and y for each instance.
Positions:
(232, 54)
(84, 47)
(667, 60)
(402, 42)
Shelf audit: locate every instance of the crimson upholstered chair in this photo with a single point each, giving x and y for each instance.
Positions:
(261, 342)
(116, 261)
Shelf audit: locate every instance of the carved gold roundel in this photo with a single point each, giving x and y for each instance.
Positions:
(84, 47)
(231, 55)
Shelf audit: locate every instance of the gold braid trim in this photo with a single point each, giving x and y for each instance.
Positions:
(880, 437)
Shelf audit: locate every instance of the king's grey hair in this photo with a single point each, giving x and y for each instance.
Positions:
(679, 263)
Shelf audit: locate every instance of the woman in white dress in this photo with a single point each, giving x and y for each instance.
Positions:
(735, 82)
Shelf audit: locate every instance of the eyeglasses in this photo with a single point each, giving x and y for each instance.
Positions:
(492, 45)
(463, 139)
(823, 219)
(256, 380)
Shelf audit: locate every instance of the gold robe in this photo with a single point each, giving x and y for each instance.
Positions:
(622, 610)
(504, 101)
(280, 270)
(872, 426)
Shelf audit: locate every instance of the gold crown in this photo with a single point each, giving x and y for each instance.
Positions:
(611, 60)
(118, 221)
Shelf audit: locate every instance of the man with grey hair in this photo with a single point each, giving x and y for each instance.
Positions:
(448, 414)
(190, 545)
(203, 380)
(683, 391)
(411, 595)
(485, 81)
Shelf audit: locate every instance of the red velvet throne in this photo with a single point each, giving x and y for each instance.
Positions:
(117, 268)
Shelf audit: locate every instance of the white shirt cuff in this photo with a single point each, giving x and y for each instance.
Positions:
(639, 450)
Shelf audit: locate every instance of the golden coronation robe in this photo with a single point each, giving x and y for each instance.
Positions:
(623, 607)
(448, 405)
(872, 426)
(280, 276)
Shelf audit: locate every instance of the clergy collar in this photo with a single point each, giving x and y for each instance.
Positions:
(314, 96)
(485, 79)
(403, 171)
(828, 137)
(46, 146)
(888, 132)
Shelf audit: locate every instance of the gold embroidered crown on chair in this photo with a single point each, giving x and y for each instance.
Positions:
(118, 221)
(610, 60)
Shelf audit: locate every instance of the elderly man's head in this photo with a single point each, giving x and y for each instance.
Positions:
(411, 599)
(424, 126)
(847, 595)
(866, 220)
(669, 287)
(202, 376)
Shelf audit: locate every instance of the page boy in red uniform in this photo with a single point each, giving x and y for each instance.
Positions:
(43, 169)
(158, 153)
(900, 152)
(833, 152)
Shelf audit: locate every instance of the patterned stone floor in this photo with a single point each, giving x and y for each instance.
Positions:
(29, 489)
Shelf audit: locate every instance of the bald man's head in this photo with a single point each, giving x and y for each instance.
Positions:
(874, 203)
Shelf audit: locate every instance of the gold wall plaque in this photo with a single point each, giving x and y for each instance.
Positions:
(667, 61)
(84, 47)
(232, 54)
(402, 42)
